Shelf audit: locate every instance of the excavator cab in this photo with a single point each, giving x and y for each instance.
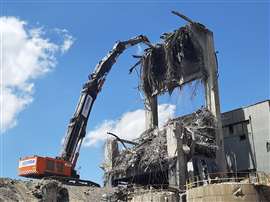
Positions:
(38, 167)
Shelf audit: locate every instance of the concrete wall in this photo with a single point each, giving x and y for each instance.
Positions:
(246, 135)
(224, 193)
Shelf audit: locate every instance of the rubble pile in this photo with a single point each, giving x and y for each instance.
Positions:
(33, 190)
(198, 133)
(52, 191)
(176, 61)
(150, 151)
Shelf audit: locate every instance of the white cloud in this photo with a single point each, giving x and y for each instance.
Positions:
(26, 54)
(67, 43)
(68, 40)
(129, 126)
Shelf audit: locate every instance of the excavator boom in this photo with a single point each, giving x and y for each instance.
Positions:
(77, 125)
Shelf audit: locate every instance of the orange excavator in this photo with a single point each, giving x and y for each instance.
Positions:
(63, 166)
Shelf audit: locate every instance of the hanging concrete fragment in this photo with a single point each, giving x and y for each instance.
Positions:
(177, 60)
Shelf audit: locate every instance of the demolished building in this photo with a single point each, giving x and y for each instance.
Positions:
(161, 155)
(160, 163)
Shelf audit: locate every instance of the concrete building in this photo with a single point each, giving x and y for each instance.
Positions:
(247, 138)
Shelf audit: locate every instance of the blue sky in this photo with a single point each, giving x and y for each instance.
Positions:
(241, 33)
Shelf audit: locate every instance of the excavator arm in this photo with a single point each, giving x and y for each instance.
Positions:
(77, 126)
(63, 166)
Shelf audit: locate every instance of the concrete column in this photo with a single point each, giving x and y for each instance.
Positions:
(181, 158)
(110, 152)
(177, 173)
(205, 39)
(151, 112)
(171, 138)
(212, 96)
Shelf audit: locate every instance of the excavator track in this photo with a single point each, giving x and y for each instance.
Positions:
(72, 181)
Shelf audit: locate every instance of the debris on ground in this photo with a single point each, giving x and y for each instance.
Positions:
(51, 191)
(32, 190)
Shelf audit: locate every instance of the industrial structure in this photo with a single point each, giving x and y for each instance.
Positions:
(247, 138)
(187, 54)
(203, 156)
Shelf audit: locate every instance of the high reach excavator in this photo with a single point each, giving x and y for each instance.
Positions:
(63, 166)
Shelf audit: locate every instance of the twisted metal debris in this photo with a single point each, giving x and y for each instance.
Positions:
(150, 151)
(198, 133)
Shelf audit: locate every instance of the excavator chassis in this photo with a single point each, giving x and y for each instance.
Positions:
(50, 168)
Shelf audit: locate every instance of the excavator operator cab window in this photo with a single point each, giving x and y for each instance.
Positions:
(50, 165)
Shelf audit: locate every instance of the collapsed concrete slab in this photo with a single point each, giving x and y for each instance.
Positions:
(161, 154)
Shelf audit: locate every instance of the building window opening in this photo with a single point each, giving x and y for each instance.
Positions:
(231, 129)
(242, 137)
(268, 146)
